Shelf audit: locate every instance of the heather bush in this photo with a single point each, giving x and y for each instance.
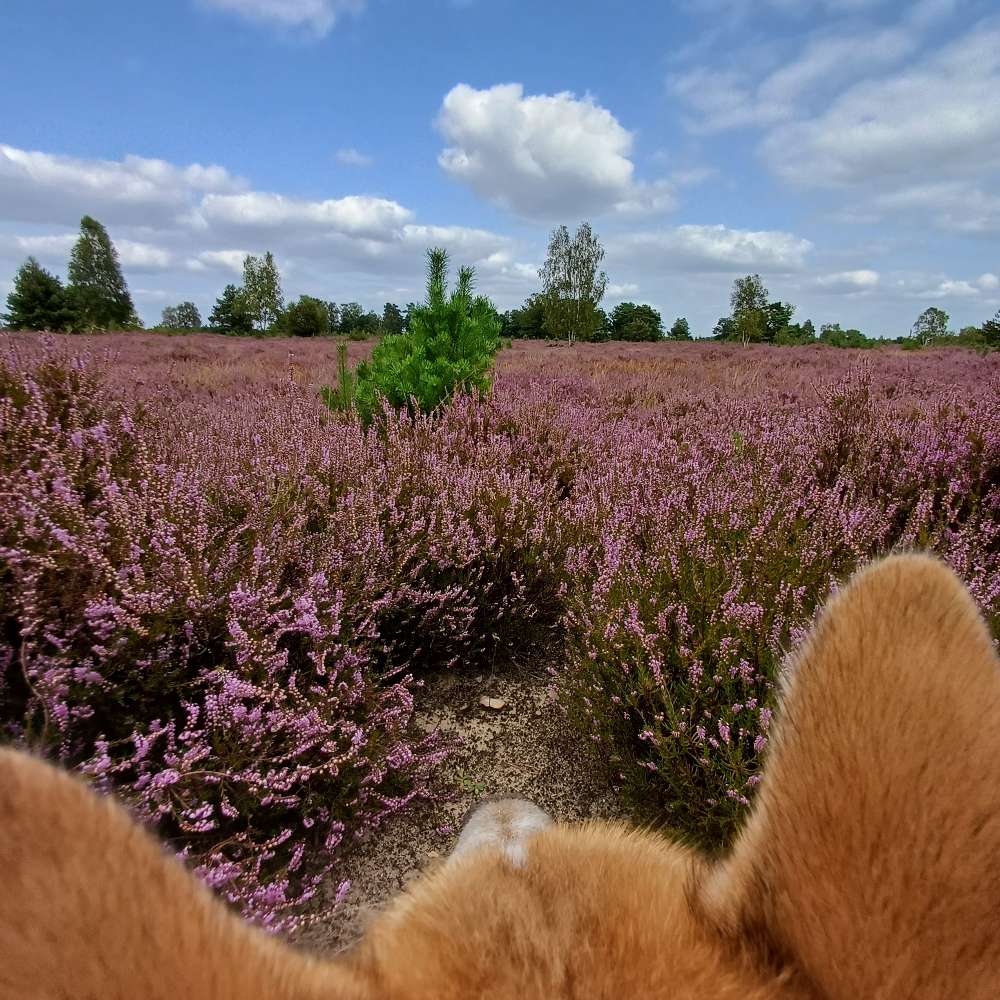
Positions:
(189, 650)
(719, 538)
(217, 599)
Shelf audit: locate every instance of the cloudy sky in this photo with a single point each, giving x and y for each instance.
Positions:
(847, 150)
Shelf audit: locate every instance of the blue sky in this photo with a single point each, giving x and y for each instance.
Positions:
(847, 150)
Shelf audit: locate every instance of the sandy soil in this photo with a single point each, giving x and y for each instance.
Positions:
(524, 749)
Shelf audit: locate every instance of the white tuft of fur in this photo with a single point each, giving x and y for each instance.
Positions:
(505, 825)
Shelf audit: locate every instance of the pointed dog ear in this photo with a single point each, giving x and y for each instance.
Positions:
(872, 858)
(90, 906)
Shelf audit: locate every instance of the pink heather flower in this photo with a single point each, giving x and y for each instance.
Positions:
(289, 578)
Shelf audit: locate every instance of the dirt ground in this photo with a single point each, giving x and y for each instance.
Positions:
(524, 749)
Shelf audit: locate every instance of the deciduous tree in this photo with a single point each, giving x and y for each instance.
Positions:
(262, 290)
(181, 317)
(930, 324)
(528, 322)
(309, 317)
(572, 284)
(748, 303)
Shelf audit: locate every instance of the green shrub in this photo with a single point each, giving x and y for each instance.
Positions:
(449, 348)
(306, 318)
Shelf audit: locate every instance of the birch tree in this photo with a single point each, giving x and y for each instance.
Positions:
(572, 284)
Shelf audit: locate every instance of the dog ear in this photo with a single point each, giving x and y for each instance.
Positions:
(90, 906)
(871, 861)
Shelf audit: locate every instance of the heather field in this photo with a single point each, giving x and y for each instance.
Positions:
(220, 600)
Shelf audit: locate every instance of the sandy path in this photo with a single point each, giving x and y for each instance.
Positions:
(525, 749)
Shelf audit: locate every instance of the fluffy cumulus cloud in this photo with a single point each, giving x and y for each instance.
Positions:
(193, 226)
(141, 256)
(315, 16)
(45, 187)
(543, 156)
(712, 249)
(356, 215)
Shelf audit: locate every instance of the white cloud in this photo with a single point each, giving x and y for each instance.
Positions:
(142, 256)
(902, 121)
(922, 286)
(988, 282)
(713, 248)
(924, 125)
(315, 16)
(56, 248)
(848, 282)
(730, 99)
(46, 188)
(543, 156)
(351, 157)
(621, 291)
(460, 241)
(355, 214)
(228, 260)
(47, 247)
(960, 206)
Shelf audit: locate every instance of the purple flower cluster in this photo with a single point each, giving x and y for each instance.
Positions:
(217, 598)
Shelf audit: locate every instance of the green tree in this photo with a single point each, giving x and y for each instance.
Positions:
(681, 330)
(333, 317)
(832, 335)
(630, 321)
(450, 347)
(528, 322)
(725, 329)
(795, 334)
(777, 320)
(602, 326)
(931, 324)
(392, 319)
(262, 290)
(748, 303)
(38, 300)
(231, 314)
(309, 317)
(572, 285)
(352, 318)
(991, 331)
(181, 317)
(407, 313)
(97, 287)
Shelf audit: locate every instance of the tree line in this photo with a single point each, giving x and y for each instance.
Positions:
(568, 306)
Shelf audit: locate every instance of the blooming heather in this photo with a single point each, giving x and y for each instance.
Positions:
(218, 598)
